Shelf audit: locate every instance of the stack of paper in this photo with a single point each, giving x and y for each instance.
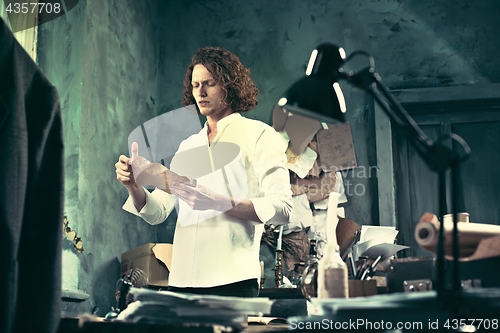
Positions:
(376, 241)
(169, 307)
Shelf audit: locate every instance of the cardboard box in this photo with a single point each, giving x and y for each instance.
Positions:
(152, 258)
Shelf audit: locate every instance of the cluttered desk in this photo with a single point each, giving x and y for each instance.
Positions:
(407, 301)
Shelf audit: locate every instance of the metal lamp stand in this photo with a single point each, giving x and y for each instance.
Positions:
(439, 157)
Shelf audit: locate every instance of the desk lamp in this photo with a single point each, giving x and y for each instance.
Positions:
(318, 95)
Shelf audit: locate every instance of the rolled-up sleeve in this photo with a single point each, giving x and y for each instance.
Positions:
(274, 205)
(159, 205)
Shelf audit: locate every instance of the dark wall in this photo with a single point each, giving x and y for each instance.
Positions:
(415, 43)
(103, 58)
(118, 63)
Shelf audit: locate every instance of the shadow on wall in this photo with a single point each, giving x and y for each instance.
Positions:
(104, 285)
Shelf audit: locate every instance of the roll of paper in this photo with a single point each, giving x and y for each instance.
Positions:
(470, 234)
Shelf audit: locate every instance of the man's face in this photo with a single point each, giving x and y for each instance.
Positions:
(207, 93)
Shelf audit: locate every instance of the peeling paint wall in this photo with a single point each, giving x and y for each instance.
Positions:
(60, 50)
(103, 58)
(415, 43)
(118, 63)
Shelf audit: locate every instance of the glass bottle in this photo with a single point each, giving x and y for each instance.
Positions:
(332, 271)
(309, 283)
(332, 274)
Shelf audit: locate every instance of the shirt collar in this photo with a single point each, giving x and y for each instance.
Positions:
(224, 122)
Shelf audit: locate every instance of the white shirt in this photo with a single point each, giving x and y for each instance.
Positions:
(213, 248)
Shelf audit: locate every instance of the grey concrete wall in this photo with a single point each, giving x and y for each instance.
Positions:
(118, 63)
(103, 58)
(60, 50)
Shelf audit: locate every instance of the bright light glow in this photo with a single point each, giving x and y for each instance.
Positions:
(282, 101)
(342, 53)
(312, 60)
(340, 96)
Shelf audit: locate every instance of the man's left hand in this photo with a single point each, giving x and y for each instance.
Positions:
(200, 197)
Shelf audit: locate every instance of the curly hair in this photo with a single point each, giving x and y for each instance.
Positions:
(233, 77)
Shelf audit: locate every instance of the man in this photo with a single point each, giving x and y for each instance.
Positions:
(216, 244)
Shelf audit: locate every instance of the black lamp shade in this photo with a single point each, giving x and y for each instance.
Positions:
(314, 96)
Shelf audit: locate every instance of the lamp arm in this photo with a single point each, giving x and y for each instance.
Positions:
(438, 156)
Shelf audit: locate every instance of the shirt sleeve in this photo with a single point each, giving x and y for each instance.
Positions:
(159, 204)
(274, 206)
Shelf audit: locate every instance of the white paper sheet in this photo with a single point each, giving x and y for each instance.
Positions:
(375, 235)
(385, 250)
(303, 163)
(301, 215)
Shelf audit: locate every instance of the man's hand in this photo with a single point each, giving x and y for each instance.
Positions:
(125, 175)
(124, 172)
(200, 197)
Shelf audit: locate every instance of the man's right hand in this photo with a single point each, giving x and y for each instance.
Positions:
(125, 175)
(124, 172)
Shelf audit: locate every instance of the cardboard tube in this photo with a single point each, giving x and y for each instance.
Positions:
(470, 234)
